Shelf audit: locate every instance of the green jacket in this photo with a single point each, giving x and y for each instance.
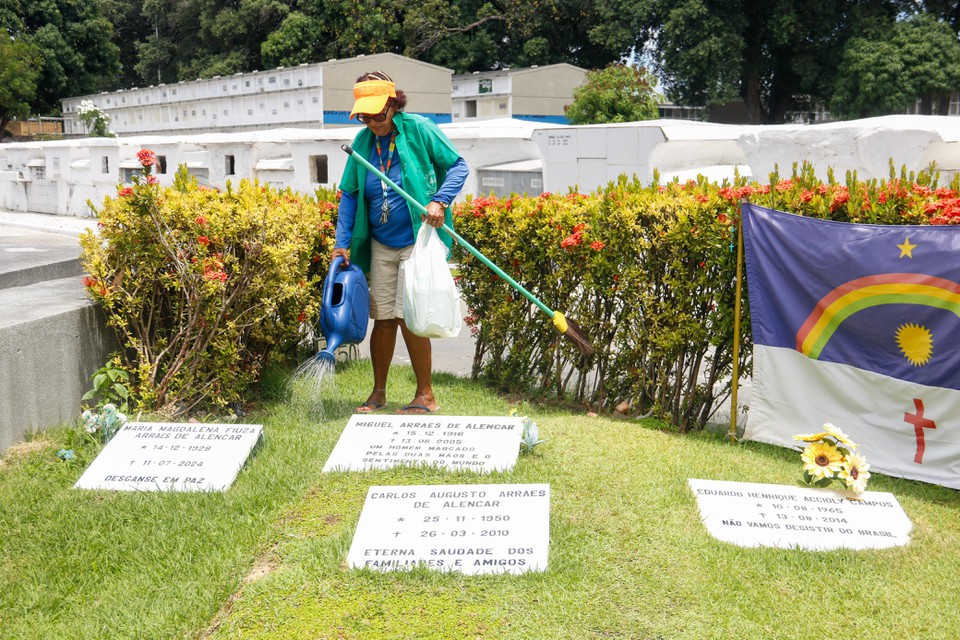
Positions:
(425, 156)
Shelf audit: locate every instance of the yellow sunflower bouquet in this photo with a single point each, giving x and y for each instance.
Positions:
(829, 457)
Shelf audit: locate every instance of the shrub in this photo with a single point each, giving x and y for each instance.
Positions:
(649, 272)
(201, 286)
(96, 121)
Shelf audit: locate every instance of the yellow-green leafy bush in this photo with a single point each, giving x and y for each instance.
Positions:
(649, 273)
(201, 285)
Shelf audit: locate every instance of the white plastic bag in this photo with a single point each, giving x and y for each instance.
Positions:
(431, 302)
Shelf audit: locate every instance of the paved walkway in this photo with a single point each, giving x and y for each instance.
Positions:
(33, 240)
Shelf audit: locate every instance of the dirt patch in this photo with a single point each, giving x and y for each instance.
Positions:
(264, 565)
(22, 450)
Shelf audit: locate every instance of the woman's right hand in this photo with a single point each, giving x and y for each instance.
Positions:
(343, 253)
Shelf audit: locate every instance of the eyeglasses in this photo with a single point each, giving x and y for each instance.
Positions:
(366, 118)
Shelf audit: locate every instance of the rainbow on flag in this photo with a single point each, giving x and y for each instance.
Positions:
(858, 325)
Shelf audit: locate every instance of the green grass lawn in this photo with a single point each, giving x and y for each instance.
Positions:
(629, 557)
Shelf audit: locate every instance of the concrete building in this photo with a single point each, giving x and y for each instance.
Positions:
(538, 94)
(311, 95)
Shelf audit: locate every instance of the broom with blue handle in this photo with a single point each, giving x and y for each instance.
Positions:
(565, 326)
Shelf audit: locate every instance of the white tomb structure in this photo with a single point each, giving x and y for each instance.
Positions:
(504, 155)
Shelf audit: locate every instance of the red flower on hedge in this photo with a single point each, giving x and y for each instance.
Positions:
(944, 192)
(216, 276)
(201, 221)
(597, 245)
(152, 180)
(574, 238)
(89, 281)
(146, 157)
(125, 191)
(204, 240)
(840, 198)
(571, 241)
(729, 193)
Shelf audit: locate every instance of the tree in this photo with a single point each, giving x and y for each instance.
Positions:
(130, 30)
(618, 93)
(230, 36)
(919, 59)
(777, 56)
(465, 35)
(19, 63)
(74, 40)
(193, 39)
(469, 35)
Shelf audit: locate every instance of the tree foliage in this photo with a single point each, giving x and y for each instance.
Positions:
(619, 93)
(488, 34)
(918, 59)
(74, 38)
(777, 56)
(129, 30)
(19, 63)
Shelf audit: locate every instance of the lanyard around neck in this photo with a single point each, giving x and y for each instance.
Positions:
(390, 152)
(384, 206)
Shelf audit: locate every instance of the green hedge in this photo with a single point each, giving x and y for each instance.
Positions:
(649, 272)
(201, 285)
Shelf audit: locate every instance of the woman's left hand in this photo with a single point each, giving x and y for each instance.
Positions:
(435, 214)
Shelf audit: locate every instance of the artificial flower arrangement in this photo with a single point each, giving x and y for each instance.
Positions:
(106, 423)
(829, 456)
(531, 434)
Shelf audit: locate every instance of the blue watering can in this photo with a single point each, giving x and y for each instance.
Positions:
(345, 307)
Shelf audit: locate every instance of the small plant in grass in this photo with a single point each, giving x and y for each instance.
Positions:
(829, 457)
(111, 385)
(531, 436)
(105, 424)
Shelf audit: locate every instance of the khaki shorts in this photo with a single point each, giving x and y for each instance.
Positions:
(386, 280)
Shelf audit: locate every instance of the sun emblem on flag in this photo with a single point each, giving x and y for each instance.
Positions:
(916, 343)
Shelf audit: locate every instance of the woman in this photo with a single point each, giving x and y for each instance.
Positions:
(376, 228)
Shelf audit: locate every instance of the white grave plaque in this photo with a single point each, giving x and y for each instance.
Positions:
(168, 456)
(469, 528)
(477, 443)
(775, 515)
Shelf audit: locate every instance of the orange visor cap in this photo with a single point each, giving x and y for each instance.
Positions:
(370, 96)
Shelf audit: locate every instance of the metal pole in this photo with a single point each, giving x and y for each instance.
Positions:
(736, 332)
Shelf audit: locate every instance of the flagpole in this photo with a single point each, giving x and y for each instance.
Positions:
(736, 331)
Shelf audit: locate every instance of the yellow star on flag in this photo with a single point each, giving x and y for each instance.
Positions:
(906, 249)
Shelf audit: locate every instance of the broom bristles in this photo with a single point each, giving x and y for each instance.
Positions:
(579, 339)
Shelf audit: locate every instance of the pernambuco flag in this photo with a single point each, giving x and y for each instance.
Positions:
(857, 325)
